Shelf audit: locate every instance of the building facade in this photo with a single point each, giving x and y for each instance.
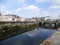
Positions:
(9, 18)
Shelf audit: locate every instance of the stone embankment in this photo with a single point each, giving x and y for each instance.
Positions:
(53, 40)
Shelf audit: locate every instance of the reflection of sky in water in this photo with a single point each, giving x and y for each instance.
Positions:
(32, 33)
(33, 37)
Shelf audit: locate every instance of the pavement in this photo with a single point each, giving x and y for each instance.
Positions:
(52, 40)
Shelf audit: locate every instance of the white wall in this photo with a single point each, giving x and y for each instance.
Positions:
(8, 18)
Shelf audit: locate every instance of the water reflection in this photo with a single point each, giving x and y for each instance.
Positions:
(33, 37)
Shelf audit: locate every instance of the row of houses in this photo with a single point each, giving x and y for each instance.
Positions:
(15, 18)
(9, 17)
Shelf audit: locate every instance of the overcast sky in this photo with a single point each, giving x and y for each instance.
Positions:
(31, 8)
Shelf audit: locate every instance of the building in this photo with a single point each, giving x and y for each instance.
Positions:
(9, 18)
(22, 19)
(0, 14)
(28, 20)
(42, 19)
(48, 19)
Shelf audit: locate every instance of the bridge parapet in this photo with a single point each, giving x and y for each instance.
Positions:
(49, 25)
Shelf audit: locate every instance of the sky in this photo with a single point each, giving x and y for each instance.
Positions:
(31, 8)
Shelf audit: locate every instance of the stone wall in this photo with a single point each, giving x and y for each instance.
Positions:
(53, 40)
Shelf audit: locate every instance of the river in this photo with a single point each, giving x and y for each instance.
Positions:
(33, 37)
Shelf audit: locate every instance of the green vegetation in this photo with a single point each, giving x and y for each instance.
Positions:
(57, 25)
(7, 31)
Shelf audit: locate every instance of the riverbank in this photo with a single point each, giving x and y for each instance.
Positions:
(14, 34)
(7, 31)
(53, 40)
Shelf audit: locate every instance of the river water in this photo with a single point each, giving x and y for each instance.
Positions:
(33, 37)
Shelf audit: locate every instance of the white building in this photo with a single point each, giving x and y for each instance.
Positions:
(22, 19)
(47, 17)
(9, 18)
(30, 19)
(39, 19)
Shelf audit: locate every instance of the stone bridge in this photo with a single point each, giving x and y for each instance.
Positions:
(49, 25)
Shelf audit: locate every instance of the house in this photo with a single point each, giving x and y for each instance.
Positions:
(9, 18)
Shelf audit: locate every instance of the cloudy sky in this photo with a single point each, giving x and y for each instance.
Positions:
(31, 8)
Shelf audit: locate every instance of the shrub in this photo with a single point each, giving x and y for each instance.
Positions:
(5, 28)
(57, 24)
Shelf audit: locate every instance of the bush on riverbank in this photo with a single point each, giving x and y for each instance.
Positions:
(57, 25)
(8, 31)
